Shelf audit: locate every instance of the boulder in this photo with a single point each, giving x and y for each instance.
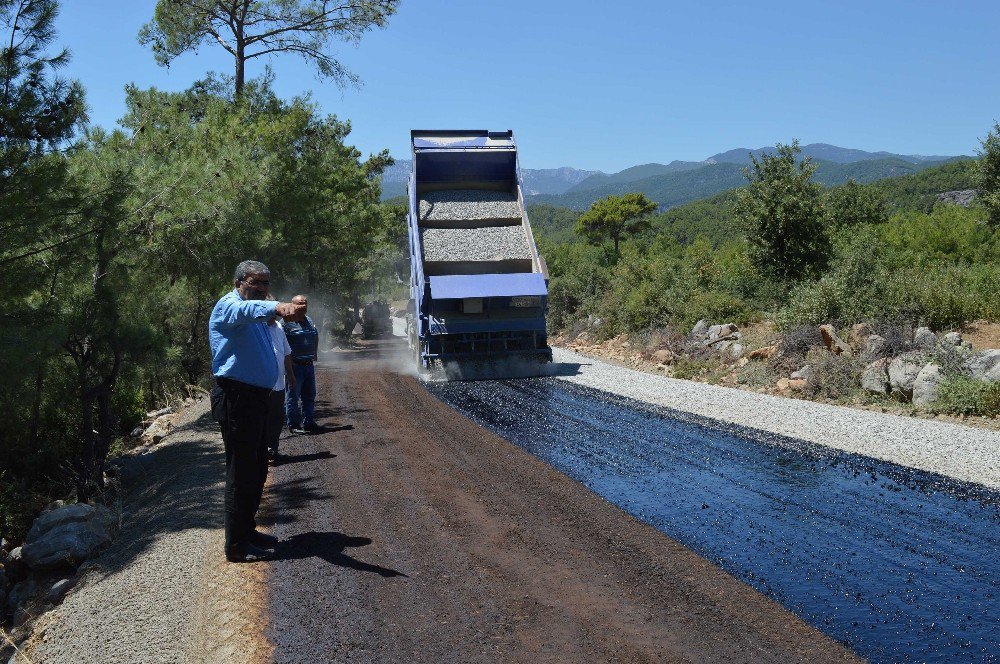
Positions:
(805, 373)
(763, 353)
(833, 343)
(903, 372)
(735, 351)
(952, 339)
(663, 356)
(962, 197)
(859, 333)
(67, 536)
(20, 594)
(875, 377)
(700, 328)
(59, 590)
(782, 384)
(721, 331)
(153, 414)
(875, 346)
(925, 386)
(797, 384)
(985, 365)
(924, 338)
(158, 430)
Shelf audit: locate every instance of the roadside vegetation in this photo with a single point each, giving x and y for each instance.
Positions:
(115, 244)
(786, 255)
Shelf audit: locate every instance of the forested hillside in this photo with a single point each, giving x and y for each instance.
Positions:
(876, 252)
(115, 244)
(679, 187)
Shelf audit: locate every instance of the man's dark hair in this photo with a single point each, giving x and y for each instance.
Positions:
(246, 268)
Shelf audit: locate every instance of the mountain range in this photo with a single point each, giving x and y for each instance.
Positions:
(679, 182)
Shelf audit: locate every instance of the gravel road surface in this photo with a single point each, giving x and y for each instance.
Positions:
(163, 592)
(954, 450)
(410, 533)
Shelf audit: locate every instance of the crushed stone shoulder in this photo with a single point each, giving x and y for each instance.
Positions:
(960, 452)
(161, 593)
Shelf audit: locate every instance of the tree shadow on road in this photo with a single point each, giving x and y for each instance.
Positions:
(329, 546)
(287, 459)
(285, 500)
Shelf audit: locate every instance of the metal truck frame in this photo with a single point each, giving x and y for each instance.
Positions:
(472, 310)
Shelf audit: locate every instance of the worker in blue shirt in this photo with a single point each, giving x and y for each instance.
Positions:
(303, 337)
(245, 370)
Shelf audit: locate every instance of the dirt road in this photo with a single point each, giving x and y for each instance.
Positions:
(411, 534)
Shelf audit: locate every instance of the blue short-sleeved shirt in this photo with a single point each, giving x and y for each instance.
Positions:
(240, 341)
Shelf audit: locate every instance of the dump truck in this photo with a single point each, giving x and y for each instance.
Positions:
(478, 287)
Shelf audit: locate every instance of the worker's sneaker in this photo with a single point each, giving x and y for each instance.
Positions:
(248, 553)
(296, 429)
(263, 540)
(312, 427)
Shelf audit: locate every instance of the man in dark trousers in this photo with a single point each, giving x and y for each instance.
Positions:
(245, 370)
(303, 337)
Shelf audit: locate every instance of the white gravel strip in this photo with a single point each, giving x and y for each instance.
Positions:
(493, 243)
(468, 204)
(960, 452)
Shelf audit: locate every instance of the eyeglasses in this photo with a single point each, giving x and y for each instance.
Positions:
(253, 283)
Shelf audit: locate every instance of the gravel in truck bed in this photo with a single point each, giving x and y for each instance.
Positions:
(493, 243)
(468, 204)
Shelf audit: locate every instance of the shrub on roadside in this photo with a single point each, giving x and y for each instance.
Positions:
(833, 376)
(960, 395)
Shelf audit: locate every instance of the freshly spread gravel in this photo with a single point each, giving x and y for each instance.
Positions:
(493, 243)
(960, 452)
(468, 204)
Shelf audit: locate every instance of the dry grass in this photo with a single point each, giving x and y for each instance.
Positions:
(19, 655)
(982, 334)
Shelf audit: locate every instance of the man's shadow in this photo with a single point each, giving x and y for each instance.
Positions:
(329, 547)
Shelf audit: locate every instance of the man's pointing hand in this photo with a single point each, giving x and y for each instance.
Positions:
(289, 310)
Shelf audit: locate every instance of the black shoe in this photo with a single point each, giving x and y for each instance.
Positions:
(312, 427)
(263, 540)
(248, 553)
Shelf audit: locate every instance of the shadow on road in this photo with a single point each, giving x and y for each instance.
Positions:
(287, 499)
(286, 459)
(329, 547)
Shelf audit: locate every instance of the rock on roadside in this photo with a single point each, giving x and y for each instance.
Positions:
(903, 372)
(875, 378)
(985, 366)
(925, 386)
(67, 536)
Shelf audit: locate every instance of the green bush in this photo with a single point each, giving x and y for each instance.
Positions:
(960, 395)
(814, 303)
(716, 307)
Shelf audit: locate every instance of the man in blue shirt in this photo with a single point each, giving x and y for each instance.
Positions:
(303, 337)
(245, 370)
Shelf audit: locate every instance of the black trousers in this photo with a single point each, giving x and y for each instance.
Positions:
(242, 411)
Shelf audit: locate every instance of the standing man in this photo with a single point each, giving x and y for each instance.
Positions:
(245, 369)
(303, 337)
(276, 402)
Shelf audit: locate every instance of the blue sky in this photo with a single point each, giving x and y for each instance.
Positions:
(600, 85)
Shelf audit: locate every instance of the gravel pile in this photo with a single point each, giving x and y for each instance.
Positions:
(960, 452)
(494, 243)
(468, 204)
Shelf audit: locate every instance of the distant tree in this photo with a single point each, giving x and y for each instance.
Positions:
(781, 214)
(988, 176)
(614, 217)
(853, 204)
(249, 29)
